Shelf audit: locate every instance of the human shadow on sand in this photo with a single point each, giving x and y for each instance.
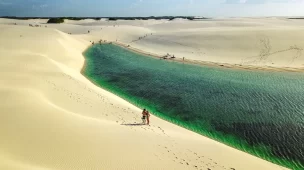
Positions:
(134, 124)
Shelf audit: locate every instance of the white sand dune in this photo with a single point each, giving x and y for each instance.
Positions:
(248, 42)
(52, 117)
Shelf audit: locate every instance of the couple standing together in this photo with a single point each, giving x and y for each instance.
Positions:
(146, 116)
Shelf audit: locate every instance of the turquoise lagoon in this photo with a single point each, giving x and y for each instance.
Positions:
(259, 112)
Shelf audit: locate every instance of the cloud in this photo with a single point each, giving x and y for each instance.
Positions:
(260, 1)
(5, 3)
(41, 6)
(244, 1)
(136, 3)
(44, 6)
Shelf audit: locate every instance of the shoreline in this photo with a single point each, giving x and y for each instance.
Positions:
(209, 64)
(241, 148)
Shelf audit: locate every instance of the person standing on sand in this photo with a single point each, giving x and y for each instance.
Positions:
(146, 116)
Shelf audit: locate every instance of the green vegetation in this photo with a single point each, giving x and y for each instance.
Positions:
(109, 18)
(55, 21)
(296, 18)
(13, 17)
(112, 19)
(170, 18)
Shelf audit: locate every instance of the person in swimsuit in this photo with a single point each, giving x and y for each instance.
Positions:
(148, 118)
(144, 115)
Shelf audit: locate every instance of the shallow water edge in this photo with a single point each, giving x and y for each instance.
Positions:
(218, 133)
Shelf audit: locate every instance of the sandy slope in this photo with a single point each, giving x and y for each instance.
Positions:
(248, 42)
(51, 117)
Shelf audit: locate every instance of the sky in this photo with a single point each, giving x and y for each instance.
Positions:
(127, 8)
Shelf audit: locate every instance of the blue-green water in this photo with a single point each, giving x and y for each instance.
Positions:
(259, 112)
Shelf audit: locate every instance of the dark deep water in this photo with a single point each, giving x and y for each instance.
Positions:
(259, 112)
